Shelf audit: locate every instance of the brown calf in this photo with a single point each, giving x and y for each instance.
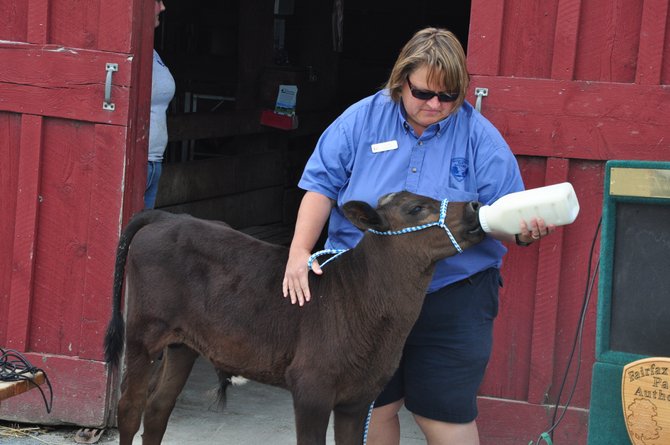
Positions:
(218, 292)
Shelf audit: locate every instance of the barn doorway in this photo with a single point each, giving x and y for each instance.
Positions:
(228, 58)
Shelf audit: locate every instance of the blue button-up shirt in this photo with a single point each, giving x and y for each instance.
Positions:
(371, 150)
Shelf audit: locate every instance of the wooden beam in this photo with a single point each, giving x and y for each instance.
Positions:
(542, 356)
(113, 26)
(579, 119)
(187, 182)
(140, 104)
(195, 126)
(485, 38)
(38, 15)
(565, 39)
(63, 82)
(25, 232)
(236, 123)
(11, 389)
(255, 43)
(652, 40)
(104, 216)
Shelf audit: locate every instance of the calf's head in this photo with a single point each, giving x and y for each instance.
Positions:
(397, 212)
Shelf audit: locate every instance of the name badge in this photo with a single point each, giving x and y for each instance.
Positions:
(384, 146)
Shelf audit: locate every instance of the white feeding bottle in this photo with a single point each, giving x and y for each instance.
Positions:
(556, 204)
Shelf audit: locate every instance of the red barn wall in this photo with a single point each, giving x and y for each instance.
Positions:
(571, 84)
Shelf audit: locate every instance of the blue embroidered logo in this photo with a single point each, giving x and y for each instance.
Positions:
(459, 168)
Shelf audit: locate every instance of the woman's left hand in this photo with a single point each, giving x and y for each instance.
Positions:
(534, 230)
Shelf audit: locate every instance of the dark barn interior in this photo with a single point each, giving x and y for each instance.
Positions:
(228, 58)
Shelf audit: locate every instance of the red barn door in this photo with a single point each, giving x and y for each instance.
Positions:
(74, 89)
(571, 84)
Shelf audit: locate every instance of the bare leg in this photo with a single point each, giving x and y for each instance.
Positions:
(443, 433)
(175, 368)
(385, 425)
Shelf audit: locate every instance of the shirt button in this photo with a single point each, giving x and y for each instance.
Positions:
(413, 169)
(420, 142)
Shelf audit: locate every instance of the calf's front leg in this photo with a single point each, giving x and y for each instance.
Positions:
(350, 423)
(312, 404)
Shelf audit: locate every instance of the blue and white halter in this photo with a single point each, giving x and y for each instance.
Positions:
(440, 223)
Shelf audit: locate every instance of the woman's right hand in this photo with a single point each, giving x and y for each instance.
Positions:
(312, 216)
(296, 284)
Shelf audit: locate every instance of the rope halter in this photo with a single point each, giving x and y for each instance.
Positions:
(439, 223)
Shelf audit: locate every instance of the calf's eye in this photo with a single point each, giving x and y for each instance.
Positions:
(415, 210)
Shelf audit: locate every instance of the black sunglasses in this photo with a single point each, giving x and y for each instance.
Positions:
(428, 95)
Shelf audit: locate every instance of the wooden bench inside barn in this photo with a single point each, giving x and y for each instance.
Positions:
(249, 191)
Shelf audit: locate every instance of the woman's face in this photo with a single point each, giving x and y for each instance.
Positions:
(158, 8)
(423, 113)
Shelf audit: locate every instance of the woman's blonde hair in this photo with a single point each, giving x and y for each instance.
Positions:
(441, 53)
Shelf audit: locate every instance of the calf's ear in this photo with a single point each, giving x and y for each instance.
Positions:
(363, 216)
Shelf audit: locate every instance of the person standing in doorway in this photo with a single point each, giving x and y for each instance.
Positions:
(162, 92)
(419, 134)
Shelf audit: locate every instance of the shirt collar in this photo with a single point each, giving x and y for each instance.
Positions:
(435, 129)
